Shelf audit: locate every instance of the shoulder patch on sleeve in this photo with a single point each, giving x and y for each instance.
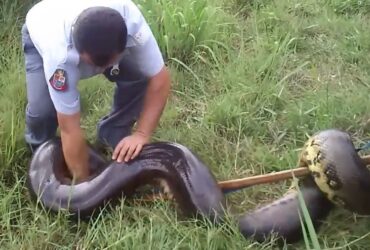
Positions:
(142, 35)
(59, 80)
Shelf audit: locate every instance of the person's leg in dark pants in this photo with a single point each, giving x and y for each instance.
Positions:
(127, 104)
(41, 119)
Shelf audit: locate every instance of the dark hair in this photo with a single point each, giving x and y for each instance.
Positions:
(101, 32)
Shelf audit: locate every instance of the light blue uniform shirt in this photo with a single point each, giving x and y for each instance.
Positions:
(50, 24)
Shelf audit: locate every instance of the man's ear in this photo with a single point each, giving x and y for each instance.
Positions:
(86, 58)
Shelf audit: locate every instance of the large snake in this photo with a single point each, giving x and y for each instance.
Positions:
(338, 170)
(339, 177)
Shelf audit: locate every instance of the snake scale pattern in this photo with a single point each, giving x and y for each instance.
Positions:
(338, 178)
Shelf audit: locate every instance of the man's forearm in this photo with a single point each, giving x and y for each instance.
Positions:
(74, 145)
(76, 154)
(154, 103)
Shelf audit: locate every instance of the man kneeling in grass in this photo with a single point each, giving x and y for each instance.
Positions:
(68, 40)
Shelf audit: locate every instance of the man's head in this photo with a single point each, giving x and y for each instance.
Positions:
(100, 35)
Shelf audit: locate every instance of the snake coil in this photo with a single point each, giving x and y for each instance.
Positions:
(337, 173)
(338, 170)
(188, 180)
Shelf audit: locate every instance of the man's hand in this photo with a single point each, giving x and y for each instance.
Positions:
(154, 103)
(74, 146)
(129, 147)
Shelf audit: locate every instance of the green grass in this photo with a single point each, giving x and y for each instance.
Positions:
(251, 80)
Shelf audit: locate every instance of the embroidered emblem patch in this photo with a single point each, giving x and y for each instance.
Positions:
(58, 80)
(142, 35)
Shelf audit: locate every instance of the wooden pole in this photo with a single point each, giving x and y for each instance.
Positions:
(271, 177)
(261, 179)
(255, 180)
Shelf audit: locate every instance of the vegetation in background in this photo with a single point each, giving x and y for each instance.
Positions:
(251, 81)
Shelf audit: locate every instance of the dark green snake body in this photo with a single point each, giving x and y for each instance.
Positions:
(194, 188)
(190, 182)
(282, 217)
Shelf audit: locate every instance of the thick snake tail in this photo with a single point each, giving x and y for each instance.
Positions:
(281, 218)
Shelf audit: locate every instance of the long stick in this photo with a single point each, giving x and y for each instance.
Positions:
(261, 179)
(258, 179)
(271, 177)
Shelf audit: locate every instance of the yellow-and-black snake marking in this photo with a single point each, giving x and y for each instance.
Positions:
(330, 155)
(338, 170)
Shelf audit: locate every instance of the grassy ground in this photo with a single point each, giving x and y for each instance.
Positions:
(251, 80)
